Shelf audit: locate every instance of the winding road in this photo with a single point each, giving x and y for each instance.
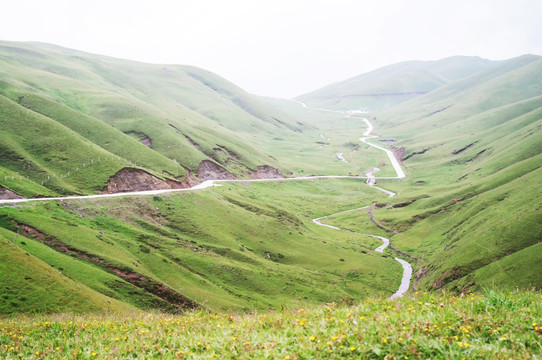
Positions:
(204, 185)
(370, 180)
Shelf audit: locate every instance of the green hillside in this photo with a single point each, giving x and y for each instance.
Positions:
(76, 123)
(388, 86)
(167, 120)
(469, 209)
(172, 125)
(31, 285)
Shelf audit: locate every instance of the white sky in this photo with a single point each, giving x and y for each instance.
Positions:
(281, 48)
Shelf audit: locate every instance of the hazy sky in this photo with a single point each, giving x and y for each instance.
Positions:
(276, 47)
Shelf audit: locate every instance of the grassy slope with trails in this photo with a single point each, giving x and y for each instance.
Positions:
(425, 199)
(109, 107)
(153, 239)
(230, 246)
(298, 260)
(186, 114)
(262, 251)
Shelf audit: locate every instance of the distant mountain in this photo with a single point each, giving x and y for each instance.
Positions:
(393, 84)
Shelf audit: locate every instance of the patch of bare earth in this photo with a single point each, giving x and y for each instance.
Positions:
(6, 194)
(208, 170)
(190, 180)
(129, 179)
(398, 152)
(144, 138)
(266, 172)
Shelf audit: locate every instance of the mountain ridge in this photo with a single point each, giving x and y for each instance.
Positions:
(376, 89)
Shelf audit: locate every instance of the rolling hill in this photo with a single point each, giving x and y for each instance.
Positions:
(168, 121)
(388, 86)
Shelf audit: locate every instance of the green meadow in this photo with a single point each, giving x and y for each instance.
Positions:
(493, 324)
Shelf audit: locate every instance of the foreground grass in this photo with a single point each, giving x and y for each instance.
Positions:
(495, 325)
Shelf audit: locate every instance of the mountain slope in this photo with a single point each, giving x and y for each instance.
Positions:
(473, 154)
(23, 276)
(391, 85)
(169, 120)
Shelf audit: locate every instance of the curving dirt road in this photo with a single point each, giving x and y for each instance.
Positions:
(405, 280)
(393, 160)
(371, 181)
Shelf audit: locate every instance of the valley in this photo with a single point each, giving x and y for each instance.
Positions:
(140, 190)
(371, 179)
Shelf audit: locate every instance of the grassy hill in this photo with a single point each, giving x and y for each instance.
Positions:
(176, 123)
(469, 209)
(167, 119)
(388, 86)
(72, 122)
(24, 276)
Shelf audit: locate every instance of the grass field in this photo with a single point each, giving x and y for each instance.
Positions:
(493, 324)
